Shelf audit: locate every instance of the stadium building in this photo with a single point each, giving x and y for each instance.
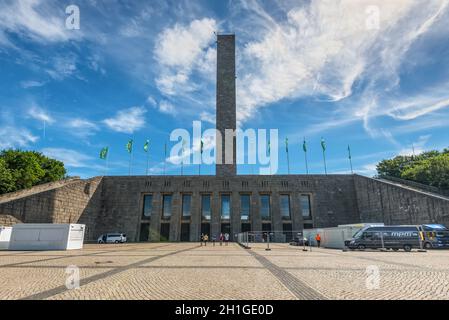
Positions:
(180, 208)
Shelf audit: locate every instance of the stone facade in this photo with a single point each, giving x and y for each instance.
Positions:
(395, 204)
(115, 204)
(74, 201)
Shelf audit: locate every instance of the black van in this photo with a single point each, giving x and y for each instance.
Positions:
(388, 237)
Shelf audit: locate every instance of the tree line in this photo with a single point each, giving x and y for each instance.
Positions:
(24, 169)
(430, 168)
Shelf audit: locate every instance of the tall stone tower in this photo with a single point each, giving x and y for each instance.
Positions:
(226, 105)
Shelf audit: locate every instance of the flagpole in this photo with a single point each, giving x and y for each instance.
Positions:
(350, 159)
(129, 166)
(148, 161)
(324, 159)
(182, 158)
(165, 155)
(107, 163)
(307, 166)
(323, 147)
(288, 158)
(304, 148)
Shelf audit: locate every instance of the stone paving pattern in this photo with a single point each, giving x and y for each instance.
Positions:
(188, 271)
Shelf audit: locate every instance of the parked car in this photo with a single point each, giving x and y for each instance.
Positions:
(388, 237)
(299, 241)
(112, 238)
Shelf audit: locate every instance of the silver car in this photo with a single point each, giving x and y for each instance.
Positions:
(112, 238)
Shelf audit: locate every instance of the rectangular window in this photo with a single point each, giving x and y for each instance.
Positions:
(225, 207)
(147, 206)
(305, 206)
(205, 207)
(166, 206)
(186, 205)
(285, 207)
(245, 206)
(265, 211)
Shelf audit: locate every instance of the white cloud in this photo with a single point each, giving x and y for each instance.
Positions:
(416, 147)
(63, 67)
(15, 137)
(36, 19)
(324, 48)
(151, 101)
(70, 158)
(182, 49)
(207, 117)
(127, 120)
(319, 50)
(38, 113)
(417, 107)
(82, 127)
(166, 107)
(367, 169)
(31, 84)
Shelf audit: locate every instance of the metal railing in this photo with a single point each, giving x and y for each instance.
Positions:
(245, 239)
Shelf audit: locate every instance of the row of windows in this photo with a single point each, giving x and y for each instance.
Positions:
(245, 206)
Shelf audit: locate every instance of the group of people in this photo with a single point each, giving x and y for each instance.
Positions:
(223, 237)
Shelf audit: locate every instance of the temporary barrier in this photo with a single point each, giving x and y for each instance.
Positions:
(335, 237)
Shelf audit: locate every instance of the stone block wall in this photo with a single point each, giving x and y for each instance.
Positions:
(381, 201)
(76, 201)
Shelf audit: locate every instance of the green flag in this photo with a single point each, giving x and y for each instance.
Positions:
(146, 146)
(286, 145)
(129, 146)
(349, 152)
(323, 144)
(304, 145)
(104, 153)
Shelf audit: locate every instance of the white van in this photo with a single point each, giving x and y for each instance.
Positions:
(112, 238)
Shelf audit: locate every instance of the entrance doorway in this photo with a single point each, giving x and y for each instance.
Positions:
(165, 231)
(185, 231)
(144, 232)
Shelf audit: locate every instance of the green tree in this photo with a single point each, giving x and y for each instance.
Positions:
(433, 171)
(29, 168)
(53, 169)
(6, 179)
(431, 168)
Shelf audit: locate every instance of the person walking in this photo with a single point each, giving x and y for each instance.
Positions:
(221, 238)
(201, 239)
(214, 238)
(318, 239)
(226, 238)
(205, 238)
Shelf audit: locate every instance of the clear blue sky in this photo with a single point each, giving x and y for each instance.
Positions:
(372, 74)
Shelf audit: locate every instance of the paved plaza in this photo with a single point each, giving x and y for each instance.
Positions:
(188, 271)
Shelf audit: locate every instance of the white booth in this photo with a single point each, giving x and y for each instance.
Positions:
(5, 235)
(43, 236)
